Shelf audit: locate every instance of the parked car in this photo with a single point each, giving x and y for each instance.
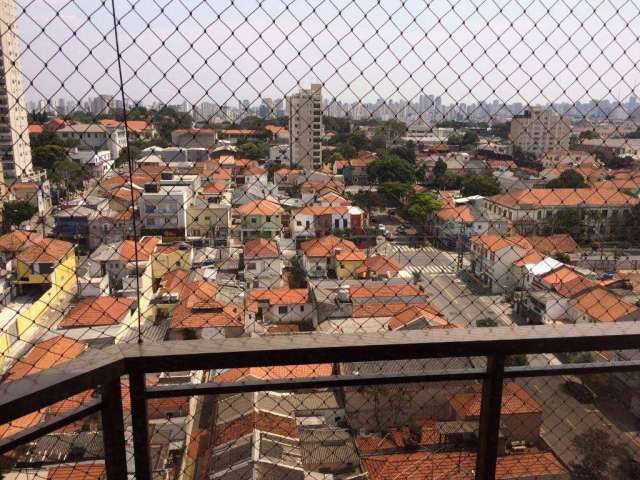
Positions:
(382, 228)
(579, 391)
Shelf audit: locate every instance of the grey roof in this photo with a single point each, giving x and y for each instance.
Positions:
(56, 447)
(326, 447)
(406, 366)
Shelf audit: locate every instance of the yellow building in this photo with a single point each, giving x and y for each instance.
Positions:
(347, 262)
(47, 268)
(168, 258)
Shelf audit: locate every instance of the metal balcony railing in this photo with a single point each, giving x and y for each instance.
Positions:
(103, 369)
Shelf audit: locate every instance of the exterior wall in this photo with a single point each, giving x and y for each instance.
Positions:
(267, 272)
(254, 226)
(163, 262)
(165, 211)
(15, 147)
(315, 266)
(305, 128)
(295, 314)
(212, 219)
(347, 269)
(540, 130)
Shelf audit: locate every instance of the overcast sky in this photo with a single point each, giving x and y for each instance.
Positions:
(221, 50)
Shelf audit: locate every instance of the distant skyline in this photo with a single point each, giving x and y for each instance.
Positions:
(473, 52)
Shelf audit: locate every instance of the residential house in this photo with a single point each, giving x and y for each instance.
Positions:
(250, 173)
(355, 170)
(72, 223)
(169, 257)
(520, 413)
(201, 313)
(164, 204)
(278, 305)
(96, 137)
(35, 189)
(598, 304)
(209, 216)
(110, 226)
(262, 263)
(492, 257)
(13, 242)
(531, 209)
(260, 218)
(559, 157)
(137, 129)
(377, 267)
(98, 321)
(331, 256)
(194, 137)
(99, 162)
(319, 220)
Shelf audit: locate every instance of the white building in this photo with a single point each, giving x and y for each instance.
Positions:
(305, 128)
(96, 137)
(14, 135)
(100, 162)
(538, 130)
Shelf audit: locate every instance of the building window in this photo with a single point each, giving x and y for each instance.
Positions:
(283, 310)
(251, 266)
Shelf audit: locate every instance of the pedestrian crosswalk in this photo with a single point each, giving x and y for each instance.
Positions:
(431, 269)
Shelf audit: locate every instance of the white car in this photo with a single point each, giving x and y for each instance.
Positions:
(382, 228)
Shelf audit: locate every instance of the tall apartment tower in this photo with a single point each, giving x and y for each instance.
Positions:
(15, 149)
(305, 128)
(538, 130)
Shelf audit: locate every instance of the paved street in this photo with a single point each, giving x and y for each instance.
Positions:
(426, 260)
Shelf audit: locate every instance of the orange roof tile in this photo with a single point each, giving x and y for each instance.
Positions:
(47, 250)
(604, 306)
(418, 311)
(261, 248)
(553, 244)
(18, 240)
(566, 197)
(277, 130)
(399, 438)
(377, 310)
(97, 311)
(381, 265)
(317, 210)
(145, 246)
(261, 207)
(531, 258)
(494, 242)
(427, 465)
(35, 129)
(350, 255)
(79, 471)
(326, 246)
(45, 355)
(174, 282)
(215, 188)
(134, 126)
(280, 372)
(457, 214)
(277, 296)
(199, 308)
(515, 400)
(262, 421)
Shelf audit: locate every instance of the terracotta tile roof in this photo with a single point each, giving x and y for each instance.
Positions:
(418, 311)
(79, 471)
(47, 250)
(71, 403)
(159, 408)
(457, 214)
(97, 311)
(531, 258)
(381, 265)
(567, 197)
(200, 294)
(238, 132)
(18, 240)
(19, 424)
(125, 194)
(196, 131)
(553, 244)
(261, 207)
(426, 465)
(251, 170)
(494, 242)
(350, 255)
(218, 174)
(45, 355)
(28, 186)
(398, 438)
(277, 296)
(515, 400)
(169, 248)
(604, 306)
(325, 246)
(318, 210)
(174, 282)
(215, 188)
(277, 130)
(262, 421)
(146, 246)
(210, 317)
(261, 248)
(134, 126)
(35, 129)
(284, 328)
(280, 372)
(369, 290)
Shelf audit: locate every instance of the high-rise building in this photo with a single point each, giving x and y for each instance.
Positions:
(14, 135)
(538, 130)
(305, 128)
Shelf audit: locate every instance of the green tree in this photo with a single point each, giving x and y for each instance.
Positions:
(568, 179)
(464, 140)
(600, 457)
(406, 151)
(47, 137)
(69, 175)
(485, 185)
(569, 221)
(589, 135)
(501, 130)
(367, 200)
(123, 158)
(254, 150)
(347, 151)
(252, 123)
(394, 193)
(391, 168)
(47, 155)
(17, 211)
(562, 257)
(421, 206)
(168, 119)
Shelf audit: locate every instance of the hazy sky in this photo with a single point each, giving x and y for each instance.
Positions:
(221, 50)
